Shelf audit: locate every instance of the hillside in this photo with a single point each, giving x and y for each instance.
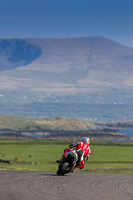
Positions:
(59, 128)
(47, 124)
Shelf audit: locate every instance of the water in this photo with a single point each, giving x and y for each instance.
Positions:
(35, 136)
(128, 131)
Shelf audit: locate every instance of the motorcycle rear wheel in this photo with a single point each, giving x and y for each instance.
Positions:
(63, 169)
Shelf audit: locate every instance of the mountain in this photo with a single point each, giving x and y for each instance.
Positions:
(93, 69)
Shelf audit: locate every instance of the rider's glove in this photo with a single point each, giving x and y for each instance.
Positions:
(70, 146)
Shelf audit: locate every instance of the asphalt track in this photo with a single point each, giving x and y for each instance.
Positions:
(26, 185)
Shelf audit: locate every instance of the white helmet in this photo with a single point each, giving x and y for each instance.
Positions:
(85, 139)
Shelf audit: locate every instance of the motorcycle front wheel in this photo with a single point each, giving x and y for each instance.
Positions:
(63, 169)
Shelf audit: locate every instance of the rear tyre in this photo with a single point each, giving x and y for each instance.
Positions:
(63, 169)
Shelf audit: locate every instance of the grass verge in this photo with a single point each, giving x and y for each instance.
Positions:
(41, 155)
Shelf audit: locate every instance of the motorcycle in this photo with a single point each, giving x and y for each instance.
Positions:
(68, 163)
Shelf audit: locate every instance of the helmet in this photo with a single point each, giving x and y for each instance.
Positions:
(85, 139)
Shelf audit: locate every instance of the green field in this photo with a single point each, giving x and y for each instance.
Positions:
(107, 157)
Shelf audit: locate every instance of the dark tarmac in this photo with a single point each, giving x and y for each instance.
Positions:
(27, 185)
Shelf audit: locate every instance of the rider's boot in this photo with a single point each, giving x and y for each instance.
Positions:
(80, 164)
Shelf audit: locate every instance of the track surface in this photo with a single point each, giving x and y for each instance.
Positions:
(25, 185)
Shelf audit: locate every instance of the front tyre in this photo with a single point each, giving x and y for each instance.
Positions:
(63, 169)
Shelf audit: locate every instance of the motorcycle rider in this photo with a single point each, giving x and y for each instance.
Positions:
(83, 151)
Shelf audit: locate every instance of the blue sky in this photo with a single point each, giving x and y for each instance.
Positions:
(67, 18)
